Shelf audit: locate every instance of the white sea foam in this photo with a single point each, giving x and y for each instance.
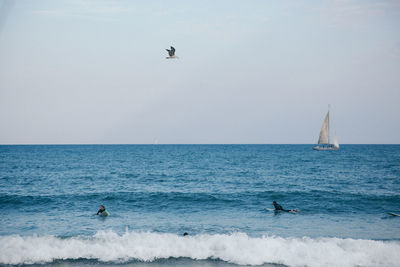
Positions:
(235, 248)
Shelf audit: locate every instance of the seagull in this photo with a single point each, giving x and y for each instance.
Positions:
(171, 53)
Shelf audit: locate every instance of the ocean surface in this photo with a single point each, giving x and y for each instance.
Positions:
(221, 195)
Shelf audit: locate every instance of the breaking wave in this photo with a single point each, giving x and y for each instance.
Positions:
(237, 248)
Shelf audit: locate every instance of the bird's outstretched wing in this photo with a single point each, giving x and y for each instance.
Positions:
(171, 52)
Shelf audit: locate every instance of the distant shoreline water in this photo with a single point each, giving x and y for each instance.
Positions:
(184, 144)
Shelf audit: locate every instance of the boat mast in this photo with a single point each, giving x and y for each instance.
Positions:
(329, 141)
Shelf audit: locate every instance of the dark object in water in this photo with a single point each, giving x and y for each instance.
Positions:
(279, 208)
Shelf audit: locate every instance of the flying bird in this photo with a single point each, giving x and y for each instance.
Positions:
(171, 53)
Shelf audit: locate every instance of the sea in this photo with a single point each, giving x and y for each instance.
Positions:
(220, 195)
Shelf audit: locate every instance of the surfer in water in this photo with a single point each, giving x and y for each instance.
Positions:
(102, 211)
(279, 207)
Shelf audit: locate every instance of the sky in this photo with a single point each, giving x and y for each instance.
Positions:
(249, 72)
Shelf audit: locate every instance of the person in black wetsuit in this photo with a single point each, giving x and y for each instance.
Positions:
(102, 211)
(279, 207)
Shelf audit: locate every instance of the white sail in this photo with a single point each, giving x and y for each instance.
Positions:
(335, 142)
(324, 134)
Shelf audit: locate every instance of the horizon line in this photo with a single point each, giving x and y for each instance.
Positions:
(151, 144)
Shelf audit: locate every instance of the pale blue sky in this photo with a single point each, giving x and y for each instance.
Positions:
(249, 71)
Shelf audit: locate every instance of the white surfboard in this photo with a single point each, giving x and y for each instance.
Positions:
(291, 211)
(393, 214)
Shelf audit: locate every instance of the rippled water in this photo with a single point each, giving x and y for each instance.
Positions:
(219, 194)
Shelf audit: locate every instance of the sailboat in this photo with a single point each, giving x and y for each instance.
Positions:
(323, 141)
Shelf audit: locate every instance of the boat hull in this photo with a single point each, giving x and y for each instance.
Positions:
(325, 148)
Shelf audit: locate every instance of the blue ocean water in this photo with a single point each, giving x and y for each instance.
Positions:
(220, 194)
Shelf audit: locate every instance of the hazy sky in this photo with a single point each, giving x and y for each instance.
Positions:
(249, 71)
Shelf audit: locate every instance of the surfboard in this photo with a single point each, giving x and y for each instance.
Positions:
(291, 211)
(393, 214)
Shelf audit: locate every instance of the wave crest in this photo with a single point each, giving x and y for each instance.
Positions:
(237, 248)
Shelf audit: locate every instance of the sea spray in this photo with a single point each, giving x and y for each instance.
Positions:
(237, 248)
